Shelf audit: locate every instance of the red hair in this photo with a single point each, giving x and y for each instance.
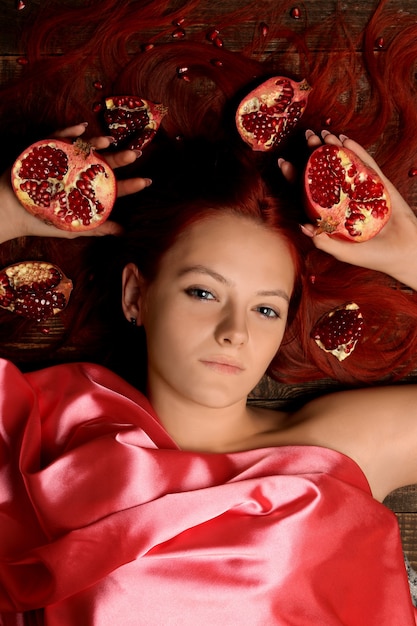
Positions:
(370, 97)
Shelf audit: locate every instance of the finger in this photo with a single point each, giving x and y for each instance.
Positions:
(132, 185)
(71, 131)
(122, 158)
(288, 170)
(313, 140)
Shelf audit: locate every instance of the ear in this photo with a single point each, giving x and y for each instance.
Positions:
(133, 285)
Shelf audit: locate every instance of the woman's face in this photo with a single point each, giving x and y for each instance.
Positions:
(215, 315)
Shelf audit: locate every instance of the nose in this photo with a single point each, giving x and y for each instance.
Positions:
(232, 328)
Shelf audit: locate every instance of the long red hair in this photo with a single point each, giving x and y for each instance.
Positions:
(127, 47)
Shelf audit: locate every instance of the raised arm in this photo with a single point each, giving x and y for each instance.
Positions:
(15, 221)
(394, 250)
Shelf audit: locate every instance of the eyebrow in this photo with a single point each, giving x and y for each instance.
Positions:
(202, 269)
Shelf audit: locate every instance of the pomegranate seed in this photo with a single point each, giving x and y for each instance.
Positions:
(295, 13)
(327, 121)
(97, 107)
(182, 70)
(178, 22)
(147, 46)
(379, 43)
(218, 42)
(97, 85)
(412, 172)
(22, 61)
(178, 33)
(264, 28)
(216, 62)
(212, 34)
(21, 5)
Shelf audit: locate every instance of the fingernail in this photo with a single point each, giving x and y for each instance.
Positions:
(110, 139)
(138, 153)
(343, 138)
(280, 162)
(309, 133)
(85, 124)
(305, 231)
(148, 181)
(324, 133)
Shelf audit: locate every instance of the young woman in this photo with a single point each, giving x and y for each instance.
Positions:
(190, 505)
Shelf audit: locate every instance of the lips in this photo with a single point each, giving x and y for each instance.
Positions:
(223, 365)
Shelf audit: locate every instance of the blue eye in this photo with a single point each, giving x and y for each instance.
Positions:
(199, 294)
(266, 311)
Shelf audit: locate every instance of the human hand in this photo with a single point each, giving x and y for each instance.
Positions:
(15, 221)
(394, 249)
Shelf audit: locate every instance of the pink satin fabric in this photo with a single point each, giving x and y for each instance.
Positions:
(104, 521)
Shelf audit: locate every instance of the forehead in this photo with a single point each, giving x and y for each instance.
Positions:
(231, 244)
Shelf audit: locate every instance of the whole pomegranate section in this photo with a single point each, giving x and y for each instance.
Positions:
(65, 184)
(132, 121)
(344, 195)
(339, 330)
(267, 114)
(34, 289)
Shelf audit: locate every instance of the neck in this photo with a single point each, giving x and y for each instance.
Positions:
(201, 428)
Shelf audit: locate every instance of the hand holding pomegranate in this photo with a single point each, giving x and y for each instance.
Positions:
(16, 221)
(393, 250)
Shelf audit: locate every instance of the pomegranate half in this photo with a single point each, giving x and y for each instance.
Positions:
(64, 184)
(267, 115)
(345, 197)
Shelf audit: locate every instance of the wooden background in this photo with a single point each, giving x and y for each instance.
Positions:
(404, 501)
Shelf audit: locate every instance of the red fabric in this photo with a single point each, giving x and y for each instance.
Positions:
(105, 521)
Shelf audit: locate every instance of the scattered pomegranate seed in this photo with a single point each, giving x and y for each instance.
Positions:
(216, 62)
(212, 34)
(412, 172)
(379, 43)
(45, 331)
(179, 22)
(295, 13)
(182, 70)
(178, 33)
(97, 107)
(22, 60)
(264, 28)
(147, 46)
(218, 42)
(312, 279)
(21, 5)
(327, 121)
(98, 85)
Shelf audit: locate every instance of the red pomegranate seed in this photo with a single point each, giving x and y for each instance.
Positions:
(412, 172)
(264, 28)
(147, 46)
(22, 61)
(182, 70)
(21, 5)
(295, 13)
(379, 43)
(212, 34)
(98, 85)
(216, 62)
(178, 33)
(97, 107)
(178, 22)
(218, 42)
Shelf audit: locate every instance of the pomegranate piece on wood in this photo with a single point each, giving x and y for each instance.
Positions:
(34, 289)
(267, 115)
(132, 121)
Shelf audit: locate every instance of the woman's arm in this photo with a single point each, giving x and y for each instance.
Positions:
(15, 221)
(375, 427)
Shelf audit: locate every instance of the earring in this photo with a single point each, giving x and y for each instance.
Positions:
(133, 321)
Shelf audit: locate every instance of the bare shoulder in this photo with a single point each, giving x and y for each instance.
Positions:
(376, 427)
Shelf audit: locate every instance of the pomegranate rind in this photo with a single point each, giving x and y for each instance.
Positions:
(346, 197)
(268, 114)
(34, 289)
(65, 184)
(339, 330)
(132, 121)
